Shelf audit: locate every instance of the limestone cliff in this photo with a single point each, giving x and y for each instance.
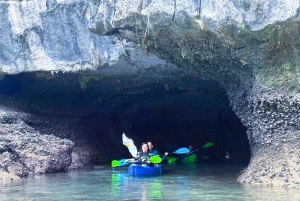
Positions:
(250, 48)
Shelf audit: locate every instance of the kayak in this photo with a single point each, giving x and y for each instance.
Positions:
(188, 158)
(191, 158)
(136, 170)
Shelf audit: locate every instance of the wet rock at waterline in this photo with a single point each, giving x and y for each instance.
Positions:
(275, 141)
(121, 50)
(6, 177)
(24, 151)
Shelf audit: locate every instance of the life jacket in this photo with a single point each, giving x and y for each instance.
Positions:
(141, 155)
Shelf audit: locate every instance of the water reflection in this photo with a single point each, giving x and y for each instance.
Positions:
(155, 190)
(117, 179)
(194, 182)
(140, 188)
(151, 191)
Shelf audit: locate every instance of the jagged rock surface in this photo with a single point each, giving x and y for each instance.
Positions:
(24, 151)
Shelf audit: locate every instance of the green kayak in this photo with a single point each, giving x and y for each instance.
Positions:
(190, 158)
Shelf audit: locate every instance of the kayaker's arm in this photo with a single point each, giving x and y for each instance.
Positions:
(163, 158)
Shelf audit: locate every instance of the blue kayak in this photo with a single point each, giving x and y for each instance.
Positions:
(145, 171)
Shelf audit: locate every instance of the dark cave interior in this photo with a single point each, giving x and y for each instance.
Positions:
(170, 115)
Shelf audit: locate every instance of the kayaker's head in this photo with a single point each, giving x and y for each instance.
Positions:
(145, 147)
(150, 145)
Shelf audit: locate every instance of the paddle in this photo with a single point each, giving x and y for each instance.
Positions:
(209, 144)
(122, 162)
(182, 150)
(185, 151)
(155, 159)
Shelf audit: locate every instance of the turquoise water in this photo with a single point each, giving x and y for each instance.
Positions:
(196, 182)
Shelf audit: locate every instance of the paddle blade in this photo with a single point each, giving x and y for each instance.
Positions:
(155, 159)
(115, 163)
(209, 144)
(171, 159)
(130, 145)
(182, 151)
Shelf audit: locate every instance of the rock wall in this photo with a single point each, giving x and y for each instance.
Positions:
(250, 48)
(52, 35)
(274, 140)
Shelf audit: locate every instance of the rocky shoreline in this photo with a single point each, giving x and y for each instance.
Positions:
(25, 151)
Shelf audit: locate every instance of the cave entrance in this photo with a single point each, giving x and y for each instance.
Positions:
(94, 111)
(194, 118)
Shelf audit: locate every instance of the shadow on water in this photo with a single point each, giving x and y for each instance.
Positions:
(179, 182)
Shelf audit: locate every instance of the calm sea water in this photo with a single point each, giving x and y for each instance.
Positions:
(180, 182)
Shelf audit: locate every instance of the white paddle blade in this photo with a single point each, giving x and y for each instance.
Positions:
(130, 145)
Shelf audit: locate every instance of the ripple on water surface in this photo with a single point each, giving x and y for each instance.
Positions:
(196, 182)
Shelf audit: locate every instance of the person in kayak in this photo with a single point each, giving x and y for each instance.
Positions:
(151, 150)
(155, 152)
(143, 156)
(191, 148)
(192, 151)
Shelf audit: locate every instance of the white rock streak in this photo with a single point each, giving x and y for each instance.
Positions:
(38, 56)
(25, 14)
